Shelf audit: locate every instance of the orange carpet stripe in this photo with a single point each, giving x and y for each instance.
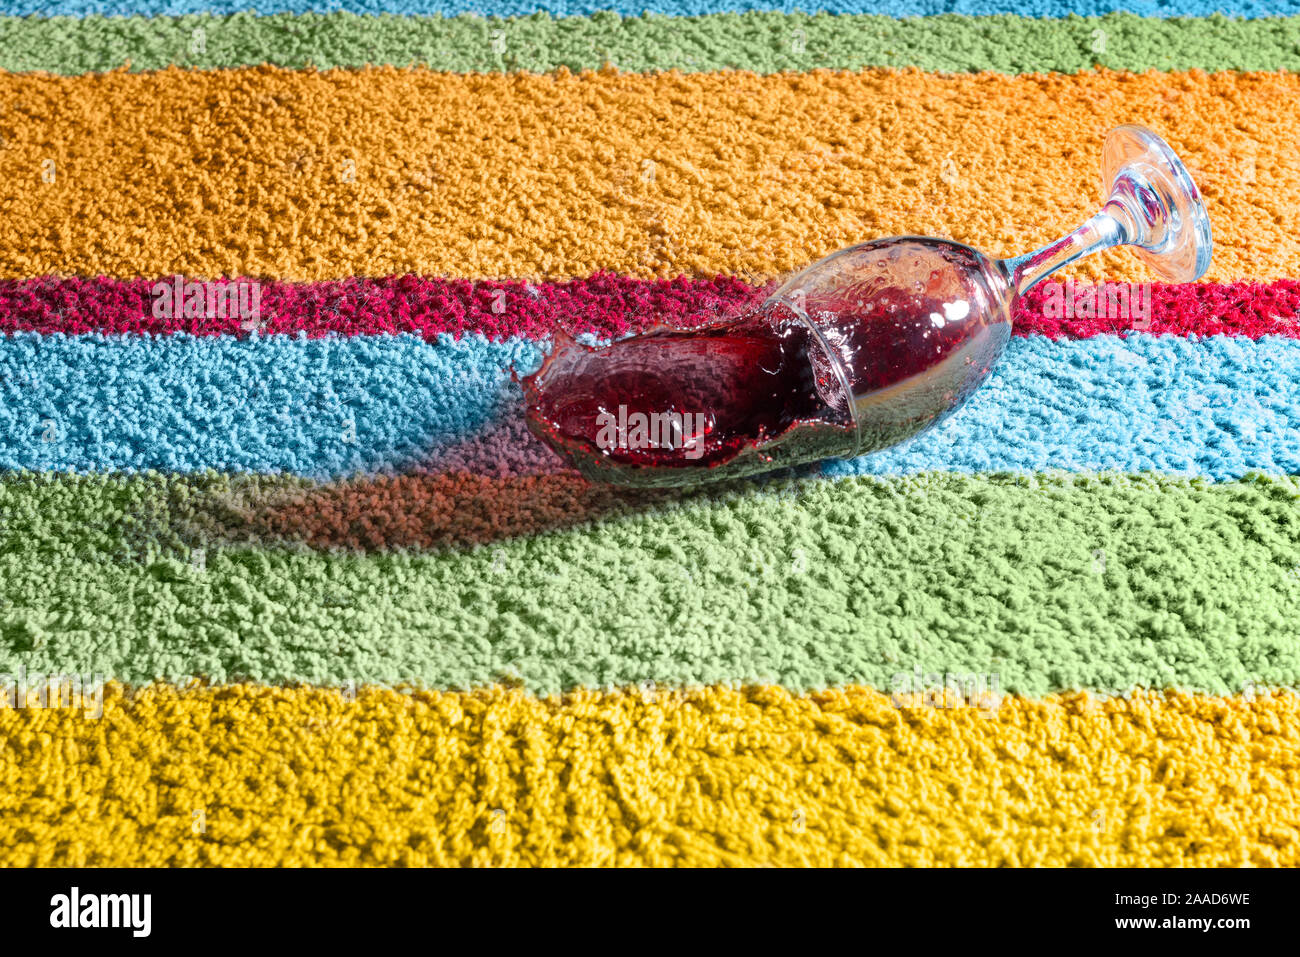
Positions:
(318, 175)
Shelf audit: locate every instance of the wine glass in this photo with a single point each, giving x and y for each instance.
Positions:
(863, 349)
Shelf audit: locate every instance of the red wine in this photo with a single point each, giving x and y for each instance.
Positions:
(858, 352)
(686, 400)
(915, 324)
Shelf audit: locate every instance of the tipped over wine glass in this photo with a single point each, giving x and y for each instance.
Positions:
(860, 351)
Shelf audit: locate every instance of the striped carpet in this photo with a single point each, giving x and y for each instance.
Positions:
(346, 611)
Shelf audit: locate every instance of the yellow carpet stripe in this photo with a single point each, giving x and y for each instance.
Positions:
(315, 175)
(257, 775)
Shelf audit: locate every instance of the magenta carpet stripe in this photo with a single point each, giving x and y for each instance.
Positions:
(603, 305)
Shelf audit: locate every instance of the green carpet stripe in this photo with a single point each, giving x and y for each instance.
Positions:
(764, 42)
(1049, 582)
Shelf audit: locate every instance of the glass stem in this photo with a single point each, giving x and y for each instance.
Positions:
(1101, 232)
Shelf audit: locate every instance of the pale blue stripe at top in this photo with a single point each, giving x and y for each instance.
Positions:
(512, 8)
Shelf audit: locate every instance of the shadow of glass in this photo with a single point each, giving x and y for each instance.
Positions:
(476, 499)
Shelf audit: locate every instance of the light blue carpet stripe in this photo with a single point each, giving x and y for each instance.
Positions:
(1216, 407)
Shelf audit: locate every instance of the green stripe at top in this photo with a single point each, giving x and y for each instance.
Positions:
(1048, 582)
(758, 41)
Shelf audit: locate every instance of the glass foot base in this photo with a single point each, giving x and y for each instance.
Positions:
(1152, 195)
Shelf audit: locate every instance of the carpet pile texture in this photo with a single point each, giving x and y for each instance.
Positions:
(291, 584)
